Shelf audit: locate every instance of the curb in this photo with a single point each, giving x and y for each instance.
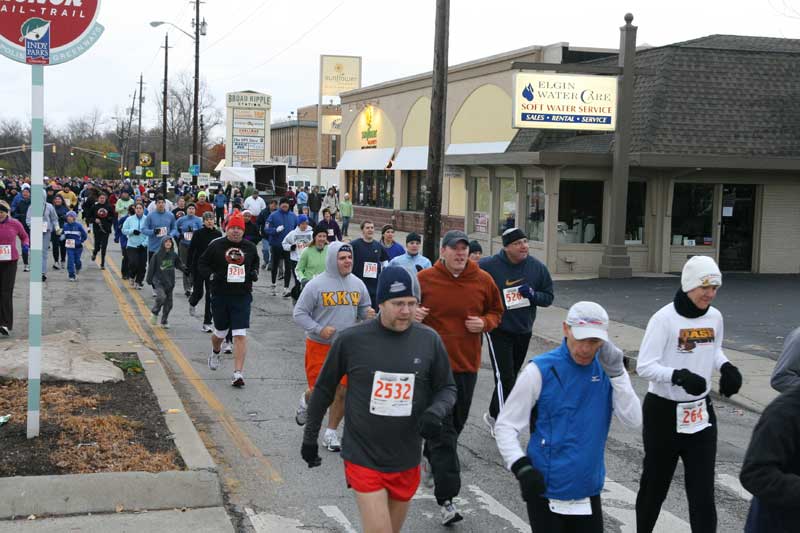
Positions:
(197, 487)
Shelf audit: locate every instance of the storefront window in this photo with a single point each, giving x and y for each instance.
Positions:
(507, 217)
(374, 188)
(534, 225)
(483, 200)
(580, 212)
(692, 214)
(416, 189)
(634, 219)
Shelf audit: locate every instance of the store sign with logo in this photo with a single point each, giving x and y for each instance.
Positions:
(369, 132)
(48, 32)
(339, 74)
(248, 128)
(247, 99)
(564, 101)
(331, 125)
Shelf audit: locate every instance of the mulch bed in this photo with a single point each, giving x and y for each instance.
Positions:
(85, 427)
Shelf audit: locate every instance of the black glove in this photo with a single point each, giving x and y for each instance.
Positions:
(254, 275)
(418, 267)
(293, 247)
(429, 425)
(137, 232)
(691, 382)
(531, 481)
(211, 277)
(730, 380)
(310, 453)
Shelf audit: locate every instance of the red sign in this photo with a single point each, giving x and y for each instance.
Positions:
(29, 26)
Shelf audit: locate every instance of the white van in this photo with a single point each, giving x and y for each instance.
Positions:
(299, 183)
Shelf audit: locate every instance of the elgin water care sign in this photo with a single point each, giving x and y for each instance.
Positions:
(564, 101)
(48, 32)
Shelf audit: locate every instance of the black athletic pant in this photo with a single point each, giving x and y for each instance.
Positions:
(442, 452)
(543, 520)
(100, 243)
(137, 263)
(198, 284)
(276, 255)
(8, 276)
(125, 268)
(219, 214)
(510, 350)
(663, 445)
(59, 248)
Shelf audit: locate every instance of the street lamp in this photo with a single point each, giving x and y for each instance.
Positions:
(200, 28)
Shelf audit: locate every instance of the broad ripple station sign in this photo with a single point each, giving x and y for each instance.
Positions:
(564, 101)
(48, 32)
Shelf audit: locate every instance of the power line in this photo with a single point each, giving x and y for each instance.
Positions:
(292, 44)
(234, 28)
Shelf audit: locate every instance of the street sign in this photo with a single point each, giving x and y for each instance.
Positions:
(114, 155)
(149, 174)
(127, 173)
(194, 170)
(48, 35)
(164, 168)
(138, 170)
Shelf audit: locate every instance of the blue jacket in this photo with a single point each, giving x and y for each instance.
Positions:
(187, 224)
(411, 262)
(135, 223)
(74, 230)
(220, 200)
(507, 275)
(153, 222)
(302, 198)
(572, 419)
(278, 218)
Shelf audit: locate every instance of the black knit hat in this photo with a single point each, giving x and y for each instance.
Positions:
(413, 237)
(475, 246)
(513, 234)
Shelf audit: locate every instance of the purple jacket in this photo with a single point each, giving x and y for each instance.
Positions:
(10, 229)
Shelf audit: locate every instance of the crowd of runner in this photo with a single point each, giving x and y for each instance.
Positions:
(394, 344)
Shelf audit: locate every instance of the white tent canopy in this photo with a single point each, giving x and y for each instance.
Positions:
(220, 165)
(240, 174)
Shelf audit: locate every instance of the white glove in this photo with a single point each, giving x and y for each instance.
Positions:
(279, 229)
(611, 359)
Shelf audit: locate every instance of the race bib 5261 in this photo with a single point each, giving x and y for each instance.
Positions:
(515, 300)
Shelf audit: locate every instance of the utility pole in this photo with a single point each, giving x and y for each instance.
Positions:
(164, 119)
(130, 124)
(202, 142)
(195, 123)
(139, 140)
(433, 205)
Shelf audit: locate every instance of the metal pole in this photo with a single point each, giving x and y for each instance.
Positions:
(164, 119)
(37, 207)
(297, 148)
(139, 141)
(130, 124)
(433, 206)
(195, 123)
(202, 143)
(319, 128)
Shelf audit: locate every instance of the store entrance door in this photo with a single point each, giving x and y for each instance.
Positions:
(736, 231)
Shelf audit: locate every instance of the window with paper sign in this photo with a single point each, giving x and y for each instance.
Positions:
(580, 212)
(692, 214)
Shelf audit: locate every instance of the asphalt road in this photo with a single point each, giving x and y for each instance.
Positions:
(758, 309)
(252, 434)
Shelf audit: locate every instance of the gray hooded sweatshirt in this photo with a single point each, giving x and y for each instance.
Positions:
(331, 300)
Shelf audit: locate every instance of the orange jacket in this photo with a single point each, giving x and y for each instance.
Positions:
(451, 300)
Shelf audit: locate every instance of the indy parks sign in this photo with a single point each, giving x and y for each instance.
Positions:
(41, 33)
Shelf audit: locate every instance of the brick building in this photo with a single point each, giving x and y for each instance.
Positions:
(301, 131)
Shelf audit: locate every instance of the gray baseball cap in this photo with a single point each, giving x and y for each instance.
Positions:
(454, 236)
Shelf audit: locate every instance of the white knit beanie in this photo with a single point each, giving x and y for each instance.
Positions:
(700, 271)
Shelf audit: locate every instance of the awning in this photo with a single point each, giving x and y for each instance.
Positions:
(369, 159)
(411, 158)
(477, 148)
(241, 174)
(220, 165)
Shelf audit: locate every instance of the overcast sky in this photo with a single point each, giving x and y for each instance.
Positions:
(273, 46)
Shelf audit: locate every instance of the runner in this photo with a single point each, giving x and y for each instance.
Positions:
(382, 437)
(185, 227)
(136, 248)
(279, 224)
(570, 394)
(59, 251)
(681, 347)
(328, 223)
(412, 259)
(475, 251)
(460, 321)
(393, 249)
(255, 204)
(787, 368)
(202, 206)
(199, 243)
(346, 212)
(10, 230)
(312, 260)
(368, 259)
(158, 225)
(525, 284)
(294, 243)
(101, 216)
(330, 303)
(220, 201)
(50, 227)
(231, 265)
(19, 211)
(261, 222)
(161, 275)
(121, 211)
(771, 470)
(73, 236)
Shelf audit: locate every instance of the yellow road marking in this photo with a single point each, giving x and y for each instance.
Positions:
(239, 437)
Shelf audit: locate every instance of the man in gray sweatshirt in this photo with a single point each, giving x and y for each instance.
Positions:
(787, 369)
(330, 303)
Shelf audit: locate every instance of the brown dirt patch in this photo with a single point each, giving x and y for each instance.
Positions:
(85, 428)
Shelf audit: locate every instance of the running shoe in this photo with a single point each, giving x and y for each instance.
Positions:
(238, 380)
(4, 331)
(213, 361)
(26, 268)
(55, 266)
(227, 347)
(287, 292)
(71, 279)
(139, 287)
(153, 319)
(450, 514)
(301, 415)
(489, 421)
(192, 310)
(164, 325)
(102, 267)
(208, 328)
(331, 442)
